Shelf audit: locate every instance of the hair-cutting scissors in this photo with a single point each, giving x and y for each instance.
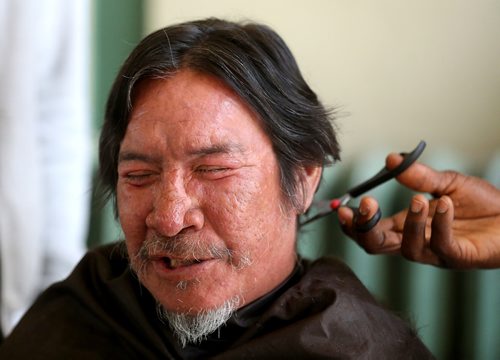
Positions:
(322, 208)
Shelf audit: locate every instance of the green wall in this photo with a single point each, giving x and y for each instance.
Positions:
(117, 28)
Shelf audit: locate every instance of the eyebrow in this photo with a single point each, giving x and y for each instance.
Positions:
(226, 148)
(136, 156)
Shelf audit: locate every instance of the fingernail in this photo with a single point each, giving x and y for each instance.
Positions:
(442, 206)
(364, 210)
(416, 206)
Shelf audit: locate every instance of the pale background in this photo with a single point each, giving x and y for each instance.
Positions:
(399, 71)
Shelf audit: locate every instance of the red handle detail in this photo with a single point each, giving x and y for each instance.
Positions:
(335, 204)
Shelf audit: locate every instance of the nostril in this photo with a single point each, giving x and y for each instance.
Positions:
(172, 223)
(195, 219)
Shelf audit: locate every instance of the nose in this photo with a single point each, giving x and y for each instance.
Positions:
(174, 210)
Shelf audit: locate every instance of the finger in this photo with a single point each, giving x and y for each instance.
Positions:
(441, 241)
(423, 178)
(368, 208)
(414, 242)
(368, 225)
(345, 216)
(382, 238)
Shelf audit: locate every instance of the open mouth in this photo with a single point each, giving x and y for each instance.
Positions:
(178, 263)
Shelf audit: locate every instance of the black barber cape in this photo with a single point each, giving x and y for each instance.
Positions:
(101, 312)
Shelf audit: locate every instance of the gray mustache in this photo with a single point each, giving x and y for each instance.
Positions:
(182, 247)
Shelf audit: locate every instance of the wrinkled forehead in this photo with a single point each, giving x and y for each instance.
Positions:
(194, 111)
(191, 90)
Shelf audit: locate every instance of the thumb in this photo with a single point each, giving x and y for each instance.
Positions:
(420, 177)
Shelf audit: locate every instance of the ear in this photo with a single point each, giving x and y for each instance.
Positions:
(309, 177)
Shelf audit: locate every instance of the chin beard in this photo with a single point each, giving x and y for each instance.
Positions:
(193, 329)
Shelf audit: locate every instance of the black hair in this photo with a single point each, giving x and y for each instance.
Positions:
(251, 59)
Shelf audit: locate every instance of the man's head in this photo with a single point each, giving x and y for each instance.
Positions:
(252, 60)
(213, 144)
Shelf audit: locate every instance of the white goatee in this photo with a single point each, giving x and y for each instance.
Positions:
(194, 329)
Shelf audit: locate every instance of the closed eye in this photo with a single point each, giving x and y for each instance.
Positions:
(139, 178)
(214, 172)
(211, 169)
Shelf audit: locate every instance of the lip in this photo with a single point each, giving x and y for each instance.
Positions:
(186, 272)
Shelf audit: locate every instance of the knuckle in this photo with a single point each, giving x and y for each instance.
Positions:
(371, 244)
(452, 180)
(371, 250)
(409, 253)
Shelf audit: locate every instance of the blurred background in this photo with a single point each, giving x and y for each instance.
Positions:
(397, 72)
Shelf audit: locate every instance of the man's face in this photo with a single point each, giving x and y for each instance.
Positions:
(199, 196)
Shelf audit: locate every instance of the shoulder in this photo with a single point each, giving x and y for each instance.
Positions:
(352, 317)
(333, 274)
(101, 264)
(97, 274)
(109, 260)
(329, 313)
(94, 313)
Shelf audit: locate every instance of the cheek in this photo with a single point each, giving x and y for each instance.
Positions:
(245, 212)
(132, 211)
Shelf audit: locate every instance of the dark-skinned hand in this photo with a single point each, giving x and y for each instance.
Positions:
(459, 228)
